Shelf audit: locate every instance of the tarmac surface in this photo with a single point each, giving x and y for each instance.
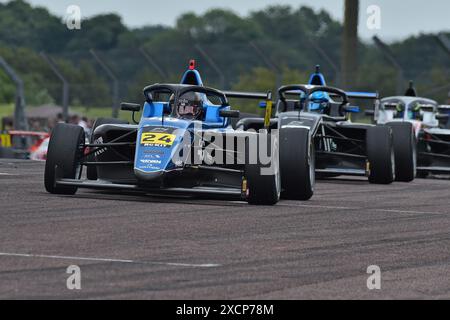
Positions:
(145, 247)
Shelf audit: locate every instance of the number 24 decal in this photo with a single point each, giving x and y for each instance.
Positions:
(157, 138)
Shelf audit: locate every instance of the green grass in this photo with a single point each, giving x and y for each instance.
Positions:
(6, 110)
(94, 113)
(91, 113)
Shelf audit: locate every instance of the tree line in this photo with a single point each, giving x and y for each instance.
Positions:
(279, 44)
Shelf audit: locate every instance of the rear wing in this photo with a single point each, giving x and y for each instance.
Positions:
(249, 95)
(363, 95)
(267, 104)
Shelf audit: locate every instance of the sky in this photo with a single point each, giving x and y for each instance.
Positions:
(399, 18)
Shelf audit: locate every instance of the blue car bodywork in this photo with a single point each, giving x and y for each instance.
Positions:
(168, 153)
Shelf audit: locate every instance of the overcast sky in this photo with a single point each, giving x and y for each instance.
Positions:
(399, 18)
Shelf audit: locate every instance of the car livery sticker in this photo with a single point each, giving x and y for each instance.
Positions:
(157, 139)
(155, 148)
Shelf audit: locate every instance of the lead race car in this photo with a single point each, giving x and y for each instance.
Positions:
(319, 113)
(182, 145)
(428, 121)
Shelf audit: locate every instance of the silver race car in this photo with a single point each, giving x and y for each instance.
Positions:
(428, 120)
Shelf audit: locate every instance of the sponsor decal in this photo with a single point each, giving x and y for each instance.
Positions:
(146, 161)
(157, 139)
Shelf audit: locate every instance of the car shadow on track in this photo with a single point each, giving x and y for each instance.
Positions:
(344, 180)
(140, 197)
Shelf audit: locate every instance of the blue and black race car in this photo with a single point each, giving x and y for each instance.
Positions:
(320, 113)
(182, 145)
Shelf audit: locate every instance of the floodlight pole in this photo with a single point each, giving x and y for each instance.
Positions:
(20, 120)
(115, 83)
(384, 48)
(150, 60)
(213, 65)
(65, 95)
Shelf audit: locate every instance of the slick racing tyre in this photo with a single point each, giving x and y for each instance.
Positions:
(91, 171)
(380, 154)
(404, 141)
(297, 164)
(263, 180)
(65, 149)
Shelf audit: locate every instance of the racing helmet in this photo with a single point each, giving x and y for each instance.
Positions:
(414, 112)
(190, 106)
(319, 101)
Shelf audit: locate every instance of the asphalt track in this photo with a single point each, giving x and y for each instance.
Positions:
(130, 246)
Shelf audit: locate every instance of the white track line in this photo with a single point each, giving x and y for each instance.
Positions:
(7, 174)
(316, 206)
(188, 265)
(405, 211)
(359, 208)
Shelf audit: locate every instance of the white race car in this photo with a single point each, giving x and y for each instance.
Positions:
(429, 122)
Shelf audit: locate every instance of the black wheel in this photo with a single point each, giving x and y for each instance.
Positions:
(91, 171)
(405, 147)
(65, 149)
(297, 164)
(380, 154)
(263, 180)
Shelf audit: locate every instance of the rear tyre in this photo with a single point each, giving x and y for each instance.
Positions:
(404, 141)
(91, 171)
(297, 164)
(65, 149)
(380, 153)
(263, 181)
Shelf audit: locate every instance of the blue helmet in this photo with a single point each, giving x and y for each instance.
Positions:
(319, 101)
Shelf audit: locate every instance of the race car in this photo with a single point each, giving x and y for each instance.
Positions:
(36, 140)
(320, 113)
(182, 145)
(428, 122)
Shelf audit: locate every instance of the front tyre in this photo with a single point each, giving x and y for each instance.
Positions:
(65, 150)
(404, 141)
(297, 164)
(263, 180)
(380, 154)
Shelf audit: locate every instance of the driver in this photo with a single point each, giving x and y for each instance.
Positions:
(319, 102)
(190, 106)
(414, 112)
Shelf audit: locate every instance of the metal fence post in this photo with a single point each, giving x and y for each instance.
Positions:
(115, 83)
(444, 42)
(150, 60)
(391, 58)
(328, 59)
(213, 65)
(65, 94)
(20, 120)
(269, 63)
